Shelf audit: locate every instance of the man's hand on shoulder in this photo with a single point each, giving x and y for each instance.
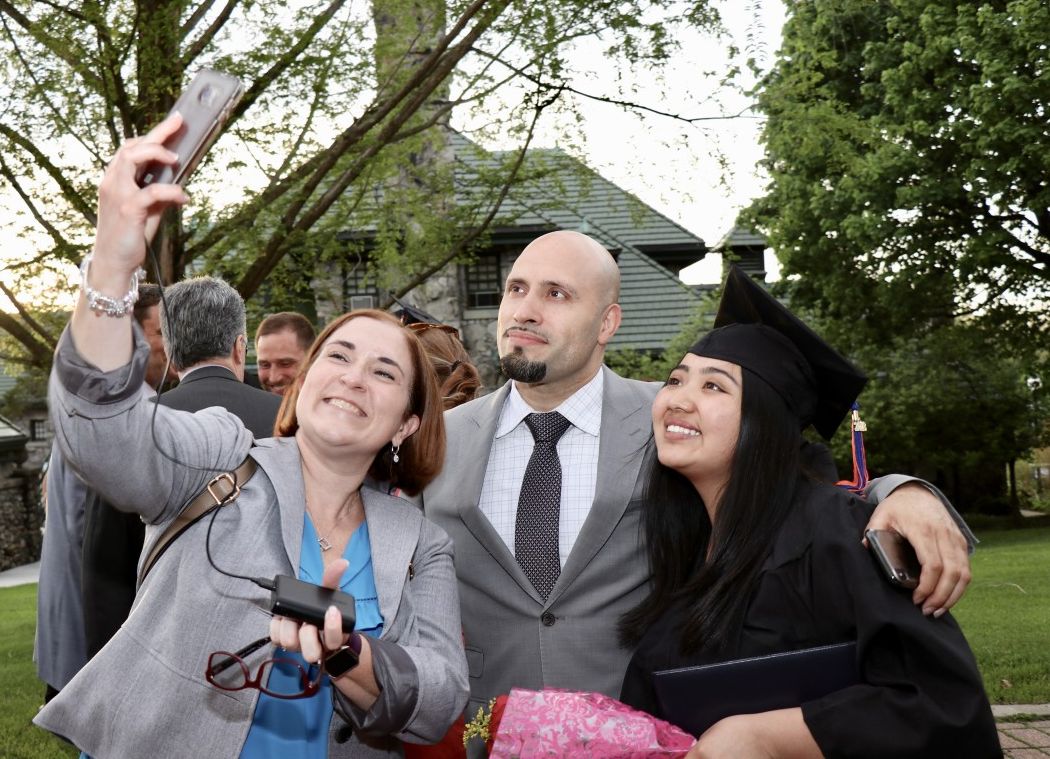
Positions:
(917, 514)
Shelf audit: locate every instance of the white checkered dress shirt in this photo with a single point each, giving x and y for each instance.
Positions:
(577, 450)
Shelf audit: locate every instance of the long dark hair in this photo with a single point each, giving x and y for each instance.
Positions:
(714, 592)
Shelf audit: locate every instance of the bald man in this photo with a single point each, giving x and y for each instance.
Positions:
(541, 596)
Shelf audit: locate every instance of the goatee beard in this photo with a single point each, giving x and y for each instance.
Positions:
(514, 366)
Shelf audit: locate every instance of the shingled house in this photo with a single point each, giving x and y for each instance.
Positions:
(649, 248)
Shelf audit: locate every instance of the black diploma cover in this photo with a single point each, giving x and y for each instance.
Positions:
(694, 698)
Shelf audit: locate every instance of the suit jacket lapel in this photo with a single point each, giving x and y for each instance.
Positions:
(481, 428)
(393, 543)
(626, 427)
(279, 459)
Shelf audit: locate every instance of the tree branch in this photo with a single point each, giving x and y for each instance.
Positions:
(40, 354)
(68, 191)
(281, 64)
(198, 13)
(55, 113)
(614, 101)
(62, 9)
(60, 241)
(317, 167)
(429, 80)
(56, 47)
(209, 34)
(115, 92)
(1039, 256)
(9, 358)
(28, 318)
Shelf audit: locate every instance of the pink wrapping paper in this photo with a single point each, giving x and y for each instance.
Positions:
(555, 723)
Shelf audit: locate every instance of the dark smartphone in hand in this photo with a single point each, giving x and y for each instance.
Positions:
(896, 557)
(205, 105)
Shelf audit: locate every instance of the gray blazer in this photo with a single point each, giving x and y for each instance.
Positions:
(144, 695)
(513, 638)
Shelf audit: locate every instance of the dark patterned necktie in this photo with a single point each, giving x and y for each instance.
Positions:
(536, 527)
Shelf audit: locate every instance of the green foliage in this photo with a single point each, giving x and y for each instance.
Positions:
(30, 389)
(636, 364)
(952, 406)
(908, 151)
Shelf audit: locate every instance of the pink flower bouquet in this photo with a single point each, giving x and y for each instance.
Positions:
(555, 723)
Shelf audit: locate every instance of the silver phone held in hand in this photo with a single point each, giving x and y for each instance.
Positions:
(205, 105)
(896, 557)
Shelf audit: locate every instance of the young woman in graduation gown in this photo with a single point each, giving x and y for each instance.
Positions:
(750, 556)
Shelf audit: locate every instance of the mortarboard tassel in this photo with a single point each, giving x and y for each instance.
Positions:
(860, 459)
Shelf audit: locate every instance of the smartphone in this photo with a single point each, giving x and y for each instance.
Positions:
(896, 557)
(306, 602)
(205, 105)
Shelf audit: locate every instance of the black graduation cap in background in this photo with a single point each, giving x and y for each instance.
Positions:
(754, 330)
(409, 314)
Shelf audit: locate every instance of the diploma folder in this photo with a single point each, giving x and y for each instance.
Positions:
(694, 698)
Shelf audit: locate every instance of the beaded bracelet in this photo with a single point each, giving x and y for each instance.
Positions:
(105, 305)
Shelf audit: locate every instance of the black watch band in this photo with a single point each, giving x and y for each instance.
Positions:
(344, 658)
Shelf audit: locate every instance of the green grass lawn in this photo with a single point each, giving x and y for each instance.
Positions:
(22, 694)
(1005, 615)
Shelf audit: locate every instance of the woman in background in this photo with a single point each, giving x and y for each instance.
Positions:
(456, 374)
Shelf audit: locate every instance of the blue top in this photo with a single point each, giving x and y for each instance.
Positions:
(299, 727)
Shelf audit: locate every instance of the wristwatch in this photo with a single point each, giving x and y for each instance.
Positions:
(344, 658)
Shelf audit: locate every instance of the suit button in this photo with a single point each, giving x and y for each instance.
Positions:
(548, 619)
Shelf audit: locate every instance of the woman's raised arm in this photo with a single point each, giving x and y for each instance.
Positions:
(128, 216)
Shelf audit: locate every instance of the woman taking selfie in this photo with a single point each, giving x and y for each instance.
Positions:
(190, 673)
(751, 556)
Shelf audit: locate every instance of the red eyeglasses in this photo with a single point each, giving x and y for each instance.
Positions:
(228, 671)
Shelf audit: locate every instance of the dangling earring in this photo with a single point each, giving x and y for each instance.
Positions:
(395, 447)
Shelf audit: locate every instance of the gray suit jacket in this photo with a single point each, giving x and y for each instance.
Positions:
(144, 695)
(513, 638)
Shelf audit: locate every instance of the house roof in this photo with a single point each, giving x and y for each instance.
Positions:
(561, 192)
(11, 437)
(741, 237)
(7, 382)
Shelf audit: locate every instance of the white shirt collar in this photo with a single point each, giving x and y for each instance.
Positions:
(583, 408)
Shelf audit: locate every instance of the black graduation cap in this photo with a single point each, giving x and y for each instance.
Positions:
(754, 330)
(409, 314)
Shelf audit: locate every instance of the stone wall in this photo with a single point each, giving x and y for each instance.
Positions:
(21, 515)
(442, 296)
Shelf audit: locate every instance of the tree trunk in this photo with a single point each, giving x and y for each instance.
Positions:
(160, 74)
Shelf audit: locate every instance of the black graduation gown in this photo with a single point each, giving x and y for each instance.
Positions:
(921, 695)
